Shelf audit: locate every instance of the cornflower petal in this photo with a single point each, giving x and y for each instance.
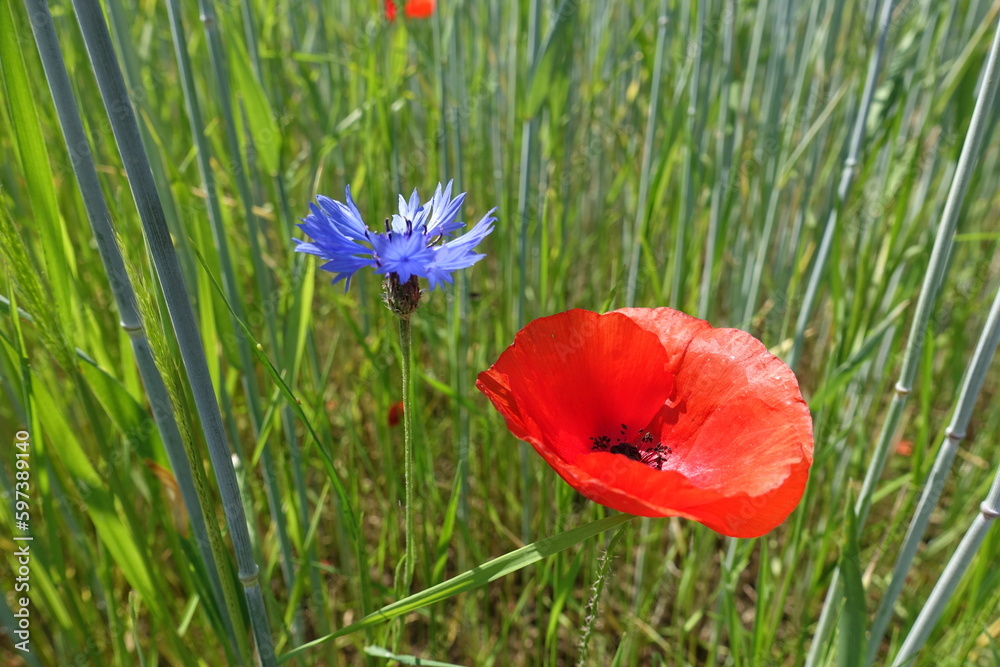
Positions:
(345, 218)
(345, 266)
(447, 260)
(403, 254)
(458, 253)
(474, 236)
(329, 240)
(408, 211)
(408, 248)
(444, 210)
(362, 227)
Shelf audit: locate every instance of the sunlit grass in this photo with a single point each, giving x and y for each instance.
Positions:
(717, 205)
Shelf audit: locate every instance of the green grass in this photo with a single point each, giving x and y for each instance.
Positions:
(716, 204)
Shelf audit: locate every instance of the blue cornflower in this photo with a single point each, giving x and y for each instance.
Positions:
(416, 242)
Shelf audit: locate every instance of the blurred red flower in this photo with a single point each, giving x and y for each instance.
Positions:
(413, 9)
(657, 413)
(395, 414)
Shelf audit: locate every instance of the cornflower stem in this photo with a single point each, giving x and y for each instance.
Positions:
(406, 357)
(603, 568)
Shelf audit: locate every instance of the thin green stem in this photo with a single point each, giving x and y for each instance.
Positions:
(722, 187)
(126, 131)
(461, 310)
(479, 576)
(406, 357)
(769, 190)
(529, 146)
(120, 24)
(936, 269)
(601, 580)
(843, 189)
(950, 578)
(691, 159)
(954, 435)
(639, 226)
(261, 272)
(126, 302)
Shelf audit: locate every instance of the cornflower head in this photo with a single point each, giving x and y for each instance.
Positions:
(418, 242)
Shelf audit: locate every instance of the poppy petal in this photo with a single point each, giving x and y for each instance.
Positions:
(735, 402)
(395, 414)
(419, 9)
(570, 369)
(629, 486)
(734, 434)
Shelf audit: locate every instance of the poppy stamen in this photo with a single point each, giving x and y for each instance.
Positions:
(601, 443)
(640, 449)
(628, 451)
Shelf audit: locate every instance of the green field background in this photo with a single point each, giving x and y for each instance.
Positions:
(720, 157)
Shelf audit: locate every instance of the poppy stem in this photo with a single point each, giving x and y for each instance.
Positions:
(602, 576)
(406, 354)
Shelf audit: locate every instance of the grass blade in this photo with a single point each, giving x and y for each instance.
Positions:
(472, 579)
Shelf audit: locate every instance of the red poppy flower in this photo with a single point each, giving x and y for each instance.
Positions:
(657, 413)
(413, 9)
(904, 447)
(395, 414)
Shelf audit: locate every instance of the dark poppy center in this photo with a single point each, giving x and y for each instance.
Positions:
(640, 447)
